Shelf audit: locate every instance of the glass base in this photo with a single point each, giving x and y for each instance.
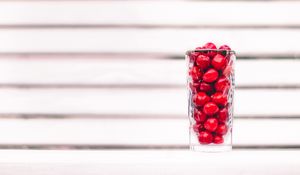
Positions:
(211, 148)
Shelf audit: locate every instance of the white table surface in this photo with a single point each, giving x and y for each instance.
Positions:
(137, 162)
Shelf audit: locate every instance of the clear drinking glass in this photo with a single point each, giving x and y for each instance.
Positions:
(210, 99)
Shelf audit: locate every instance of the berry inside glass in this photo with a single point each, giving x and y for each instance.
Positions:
(210, 81)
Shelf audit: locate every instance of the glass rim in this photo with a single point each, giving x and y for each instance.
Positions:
(205, 50)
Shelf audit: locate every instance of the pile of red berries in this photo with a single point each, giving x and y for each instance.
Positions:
(209, 84)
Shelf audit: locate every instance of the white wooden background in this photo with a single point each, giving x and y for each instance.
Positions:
(110, 76)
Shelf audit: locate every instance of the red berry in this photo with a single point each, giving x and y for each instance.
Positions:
(210, 46)
(219, 62)
(205, 87)
(227, 71)
(210, 108)
(198, 127)
(203, 61)
(194, 86)
(218, 139)
(222, 84)
(200, 52)
(229, 68)
(225, 48)
(211, 124)
(199, 116)
(205, 137)
(195, 73)
(200, 99)
(210, 76)
(193, 56)
(221, 129)
(219, 98)
(223, 115)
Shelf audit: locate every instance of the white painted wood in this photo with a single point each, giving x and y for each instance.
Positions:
(126, 71)
(165, 41)
(95, 71)
(267, 72)
(145, 132)
(146, 13)
(138, 101)
(43, 162)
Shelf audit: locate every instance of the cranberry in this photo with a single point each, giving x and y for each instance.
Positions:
(221, 129)
(205, 87)
(222, 84)
(219, 62)
(210, 76)
(205, 137)
(199, 116)
(194, 86)
(211, 124)
(200, 99)
(225, 48)
(218, 139)
(198, 127)
(210, 46)
(227, 71)
(193, 56)
(223, 115)
(219, 98)
(210, 108)
(195, 73)
(203, 62)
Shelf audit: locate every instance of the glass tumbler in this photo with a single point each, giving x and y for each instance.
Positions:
(210, 83)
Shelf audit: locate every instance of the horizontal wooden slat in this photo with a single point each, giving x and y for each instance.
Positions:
(94, 71)
(126, 72)
(148, 162)
(147, 132)
(180, 13)
(164, 41)
(138, 101)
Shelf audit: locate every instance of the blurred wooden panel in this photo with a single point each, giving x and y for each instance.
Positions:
(135, 72)
(147, 132)
(166, 41)
(135, 101)
(92, 71)
(136, 162)
(151, 13)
